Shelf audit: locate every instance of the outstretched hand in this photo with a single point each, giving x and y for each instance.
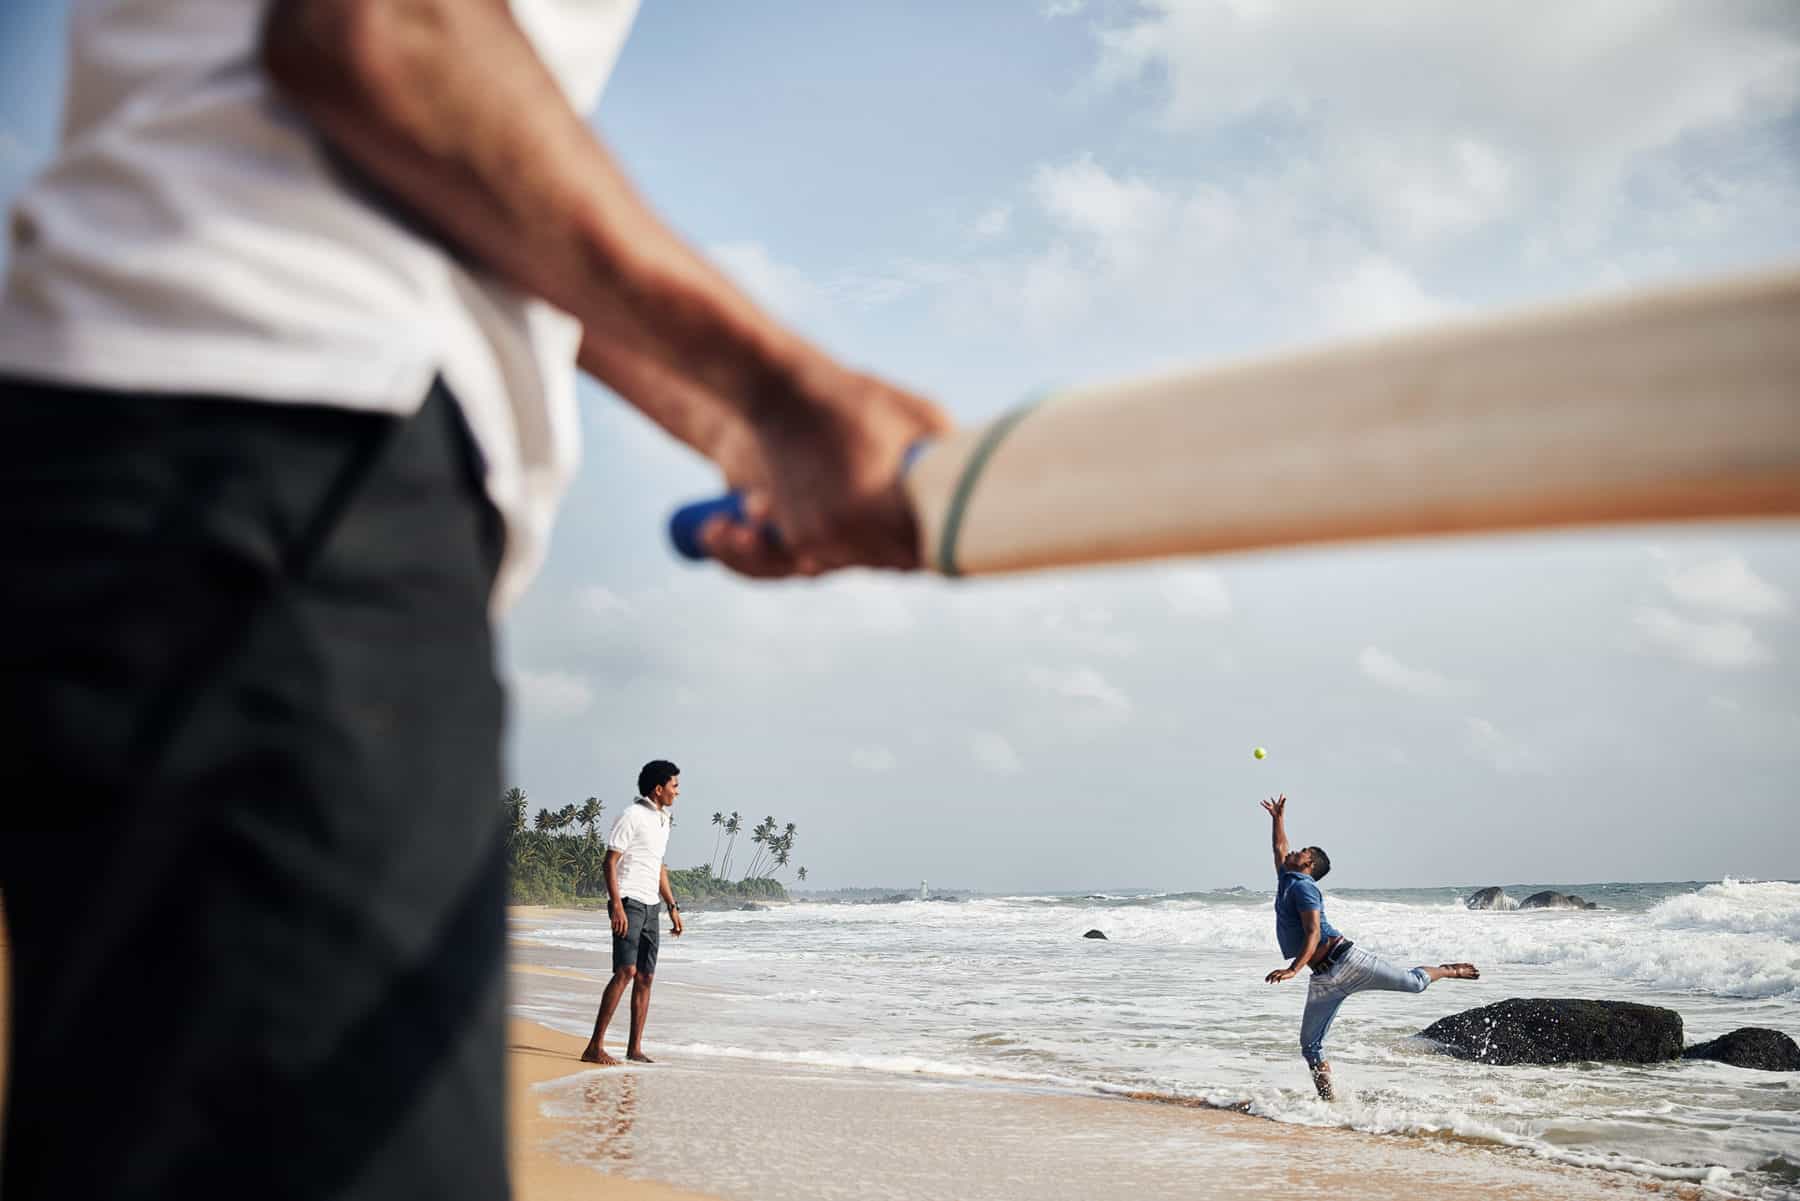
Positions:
(1276, 807)
(1280, 973)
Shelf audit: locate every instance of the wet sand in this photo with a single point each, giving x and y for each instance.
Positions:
(748, 1130)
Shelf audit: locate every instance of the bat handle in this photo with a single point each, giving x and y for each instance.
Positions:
(685, 523)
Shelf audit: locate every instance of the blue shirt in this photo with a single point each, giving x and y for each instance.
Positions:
(1295, 893)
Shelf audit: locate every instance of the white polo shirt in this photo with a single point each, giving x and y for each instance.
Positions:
(193, 235)
(640, 838)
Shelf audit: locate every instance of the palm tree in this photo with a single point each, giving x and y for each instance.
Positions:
(759, 836)
(733, 824)
(718, 819)
(781, 857)
(566, 860)
(513, 805)
(802, 874)
(565, 816)
(544, 821)
(589, 814)
(592, 877)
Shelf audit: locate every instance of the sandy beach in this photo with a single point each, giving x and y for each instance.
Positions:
(842, 1134)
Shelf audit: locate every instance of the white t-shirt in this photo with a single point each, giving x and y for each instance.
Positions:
(640, 838)
(192, 235)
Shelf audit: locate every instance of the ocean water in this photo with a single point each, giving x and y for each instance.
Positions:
(1006, 990)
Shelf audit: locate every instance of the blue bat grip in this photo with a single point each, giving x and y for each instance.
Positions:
(685, 522)
(684, 525)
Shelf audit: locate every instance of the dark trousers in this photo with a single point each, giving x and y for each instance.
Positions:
(250, 847)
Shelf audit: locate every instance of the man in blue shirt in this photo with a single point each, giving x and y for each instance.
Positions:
(1339, 967)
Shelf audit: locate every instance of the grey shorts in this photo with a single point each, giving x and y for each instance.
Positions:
(643, 934)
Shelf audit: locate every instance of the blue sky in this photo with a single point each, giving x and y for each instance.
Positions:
(984, 200)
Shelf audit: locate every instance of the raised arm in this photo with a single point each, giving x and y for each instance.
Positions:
(1277, 811)
(445, 105)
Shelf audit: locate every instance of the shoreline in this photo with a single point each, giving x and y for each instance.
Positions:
(537, 1055)
(695, 1123)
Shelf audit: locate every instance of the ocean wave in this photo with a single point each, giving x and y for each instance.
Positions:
(1734, 906)
(887, 1064)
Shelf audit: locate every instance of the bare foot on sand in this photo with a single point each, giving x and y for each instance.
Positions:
(598, 1055)
(638, 1057)
(1461, 971)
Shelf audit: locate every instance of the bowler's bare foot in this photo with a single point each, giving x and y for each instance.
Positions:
(1321, 1078)
(1461, 971)
(598, 1055)
(638, 1057)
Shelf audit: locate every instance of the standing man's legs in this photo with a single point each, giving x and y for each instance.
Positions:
(595, 1051)
(640, 1011)
(648, 944)
(634, 962)
(251, 730)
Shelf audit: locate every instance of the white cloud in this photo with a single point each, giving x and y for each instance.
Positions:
(601, 601)
(1375, 294)
(1188, 266)
(1088, 629)
(1486, 742)
(876, 759)
(1384, 669)
(1447, 117)
(995, 753)
(1436, 192)
(1063, 8)
(1726, 585)
(1723, 643)
(995, 222)
(878, 602)
(553, 694)
(1085, 685)
(1195, 592)
(1122, 216)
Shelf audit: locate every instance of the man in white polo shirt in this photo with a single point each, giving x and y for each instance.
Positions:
(288, 344)
(638, 884)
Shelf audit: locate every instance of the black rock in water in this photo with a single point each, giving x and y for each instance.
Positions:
(1543, 1030)
(1555, 900)
(1750, 1047)
(1490, 898)
(1094, 934)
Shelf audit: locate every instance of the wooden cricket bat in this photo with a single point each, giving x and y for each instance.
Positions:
(1673, 404)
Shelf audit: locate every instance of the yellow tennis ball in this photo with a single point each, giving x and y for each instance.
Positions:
(1260, 753)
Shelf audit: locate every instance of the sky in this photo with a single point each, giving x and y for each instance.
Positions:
(984, 201)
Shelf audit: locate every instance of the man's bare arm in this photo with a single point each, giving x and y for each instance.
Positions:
(668, 898)
(609, 868)
(1309, 921)
(445, 104)
(1277, 811)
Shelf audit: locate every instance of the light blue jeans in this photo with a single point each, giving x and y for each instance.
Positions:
(1358, 971)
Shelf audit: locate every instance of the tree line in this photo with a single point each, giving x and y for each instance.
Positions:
(558, 856)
